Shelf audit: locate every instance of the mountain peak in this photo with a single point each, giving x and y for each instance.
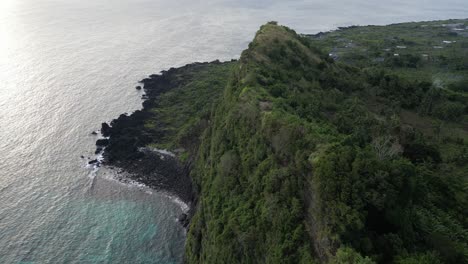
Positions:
(274, 43)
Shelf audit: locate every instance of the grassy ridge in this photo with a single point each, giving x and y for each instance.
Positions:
(302, 157)
(309, 158)
(178, 115)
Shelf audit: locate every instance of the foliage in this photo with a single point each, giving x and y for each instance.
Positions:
(298, 158)
(419, 258)
(346, 255)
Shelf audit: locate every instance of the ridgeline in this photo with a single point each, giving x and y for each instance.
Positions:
(294, 155)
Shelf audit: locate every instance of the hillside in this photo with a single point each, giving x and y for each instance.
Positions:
(297, 156)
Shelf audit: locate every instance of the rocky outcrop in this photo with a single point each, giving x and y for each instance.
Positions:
(127, 139)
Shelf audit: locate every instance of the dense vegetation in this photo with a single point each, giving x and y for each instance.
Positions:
(305, 157)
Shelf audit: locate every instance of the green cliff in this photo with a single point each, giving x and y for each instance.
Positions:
(306, 150)
(306, 158)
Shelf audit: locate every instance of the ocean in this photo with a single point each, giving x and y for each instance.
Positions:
(66, 66)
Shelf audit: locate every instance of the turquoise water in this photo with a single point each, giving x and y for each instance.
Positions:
(103, 222)
(66, 66)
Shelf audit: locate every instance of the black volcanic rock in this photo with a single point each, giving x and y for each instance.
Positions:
(184, 220)
(102, 142)
(128, 138)
(105, 129)
(98, 150)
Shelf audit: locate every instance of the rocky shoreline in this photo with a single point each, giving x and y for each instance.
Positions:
(126, 138)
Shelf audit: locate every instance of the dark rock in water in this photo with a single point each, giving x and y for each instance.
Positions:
(82, 156)
(138, 87)
(184, 220)
(94, 133)
(182, 217)
(102, 142)
(94, 161)
(105, 129)
(98, 150)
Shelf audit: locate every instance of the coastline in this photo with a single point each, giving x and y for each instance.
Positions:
(261, 143)
(124, 143)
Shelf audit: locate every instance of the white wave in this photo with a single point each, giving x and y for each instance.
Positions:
(95, 166)
(163, 152)
(100, 156)
(148, 190)
(128, 182)
(185, 207)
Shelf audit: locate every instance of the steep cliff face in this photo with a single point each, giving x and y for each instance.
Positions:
(297, 158)
(307, 160)
(254, 160)
(154, 145)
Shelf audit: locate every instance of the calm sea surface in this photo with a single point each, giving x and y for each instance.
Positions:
(68, 65)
